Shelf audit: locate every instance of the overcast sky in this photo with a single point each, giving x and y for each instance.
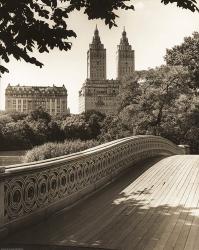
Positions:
(151, 29)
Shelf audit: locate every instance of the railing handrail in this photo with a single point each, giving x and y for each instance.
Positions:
(16, 168)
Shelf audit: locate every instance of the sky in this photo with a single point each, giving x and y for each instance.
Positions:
(151, 28)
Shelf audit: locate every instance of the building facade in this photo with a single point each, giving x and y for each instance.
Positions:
(98, 93)
(25, 99)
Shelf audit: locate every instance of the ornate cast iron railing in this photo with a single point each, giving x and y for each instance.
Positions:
(30, 192)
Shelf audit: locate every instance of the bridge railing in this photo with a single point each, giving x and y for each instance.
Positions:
(30, 192)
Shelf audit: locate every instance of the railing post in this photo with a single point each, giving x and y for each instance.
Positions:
(185, 148)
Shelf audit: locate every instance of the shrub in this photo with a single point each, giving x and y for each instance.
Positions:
(50, 150)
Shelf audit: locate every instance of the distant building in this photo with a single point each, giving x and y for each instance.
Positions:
(28, 98)
(98, 93)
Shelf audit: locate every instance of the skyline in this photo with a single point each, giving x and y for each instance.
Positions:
(151, 28)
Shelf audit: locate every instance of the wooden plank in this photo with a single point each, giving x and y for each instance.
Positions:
(183, 213)
(147, 230)
(174, 212)
(163, 215)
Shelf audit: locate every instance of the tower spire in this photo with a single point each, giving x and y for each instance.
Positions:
(96, 37)
(124, 39)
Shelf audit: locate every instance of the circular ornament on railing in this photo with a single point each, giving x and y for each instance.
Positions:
(87, 173)
(63, 182)
(30, 193)
(42, 189)
(109, 165)
(104, 166)
(101, 168)
(53, 181)
(80, 176)
(14, 197)
(98, 168)
(93, 172)
(72, 178)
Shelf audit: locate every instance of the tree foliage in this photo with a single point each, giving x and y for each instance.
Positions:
(29, 25)
(186, 4)
(166, 106)
(24, 131)
(187, 56)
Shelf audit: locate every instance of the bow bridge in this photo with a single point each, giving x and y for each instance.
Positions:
(139, 192)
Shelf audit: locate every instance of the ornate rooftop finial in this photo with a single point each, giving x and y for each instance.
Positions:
(96, 38)
(96, 32)
(124, 32)
(124, 39)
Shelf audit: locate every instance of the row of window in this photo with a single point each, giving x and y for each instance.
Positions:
(127, 70)
(24, 101)
(25, 109)
(126, 56)
(99, 56)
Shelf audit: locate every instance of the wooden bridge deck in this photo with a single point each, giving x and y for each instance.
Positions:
(153, 206)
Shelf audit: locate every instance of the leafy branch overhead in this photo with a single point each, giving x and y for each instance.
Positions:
(41, 25)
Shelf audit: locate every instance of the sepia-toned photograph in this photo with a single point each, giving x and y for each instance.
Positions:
(99, 124)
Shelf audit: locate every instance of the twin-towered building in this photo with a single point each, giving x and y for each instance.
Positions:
(98, 93)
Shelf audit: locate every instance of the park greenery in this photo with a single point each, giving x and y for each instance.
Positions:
(41, 25)
(161, 101)
(50, 150)
(24, 131)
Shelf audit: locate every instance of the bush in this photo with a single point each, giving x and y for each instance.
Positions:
(50, 150)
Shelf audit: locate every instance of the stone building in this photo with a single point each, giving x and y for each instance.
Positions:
(28, 98)
(98, 93)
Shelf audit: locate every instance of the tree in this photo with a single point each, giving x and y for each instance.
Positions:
(159, 90)
(113, 128)
(75, 127)
(16, 135)
(94, 119)
(181, 123)
(130, 91)
(27, 25)
(39, 114)
(186, 55)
